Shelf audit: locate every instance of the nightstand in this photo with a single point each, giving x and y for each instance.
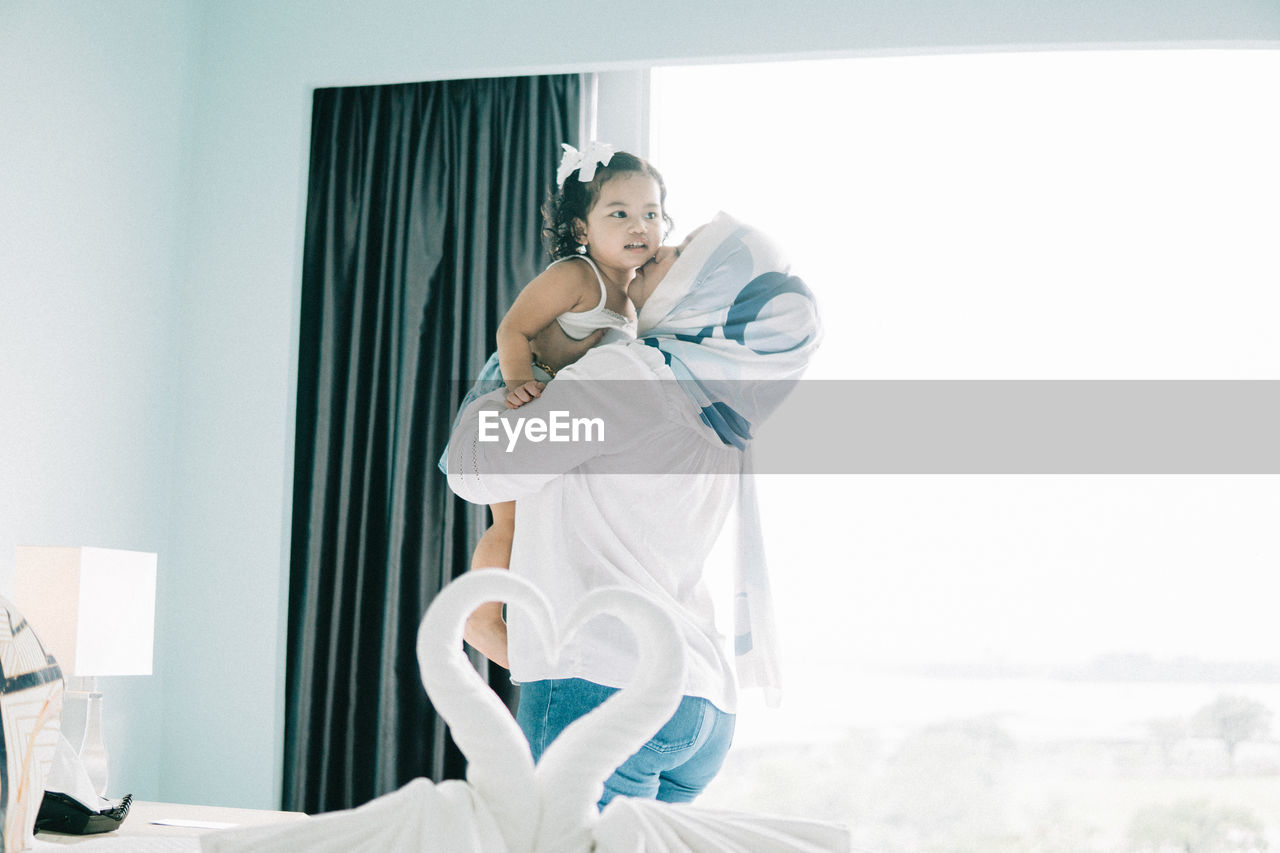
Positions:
(142, 817)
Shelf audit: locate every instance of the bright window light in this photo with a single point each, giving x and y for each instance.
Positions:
(1012, 663)
(1106, 215)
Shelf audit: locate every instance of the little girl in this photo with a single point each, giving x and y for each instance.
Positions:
(606, 220)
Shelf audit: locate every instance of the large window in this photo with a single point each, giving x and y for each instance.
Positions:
(1027, 663)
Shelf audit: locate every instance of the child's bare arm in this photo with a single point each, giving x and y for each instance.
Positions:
(557, 290)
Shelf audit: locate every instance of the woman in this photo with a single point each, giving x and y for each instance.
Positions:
(724, 330)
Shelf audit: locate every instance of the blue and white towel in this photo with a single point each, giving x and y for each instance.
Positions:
(737, 330)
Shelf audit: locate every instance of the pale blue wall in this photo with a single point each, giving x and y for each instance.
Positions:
(93, 116)
(150, 263)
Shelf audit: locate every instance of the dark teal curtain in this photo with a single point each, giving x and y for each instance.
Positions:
(422, 225)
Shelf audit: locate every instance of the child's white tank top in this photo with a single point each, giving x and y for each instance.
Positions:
(579, 324)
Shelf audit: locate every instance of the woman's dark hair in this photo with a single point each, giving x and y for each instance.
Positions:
(574, 199)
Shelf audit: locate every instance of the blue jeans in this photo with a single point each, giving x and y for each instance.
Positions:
(674, 766)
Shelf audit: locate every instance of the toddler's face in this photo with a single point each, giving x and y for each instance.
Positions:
(624, 228)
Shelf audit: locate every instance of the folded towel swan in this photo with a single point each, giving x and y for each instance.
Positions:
(506, 804)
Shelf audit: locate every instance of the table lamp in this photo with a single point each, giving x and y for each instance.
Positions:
(94, 610)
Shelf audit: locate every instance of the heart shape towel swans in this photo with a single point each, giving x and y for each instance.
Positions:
(509, 805)
(553, 805)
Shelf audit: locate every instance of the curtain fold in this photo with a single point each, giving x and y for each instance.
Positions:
(422, 225)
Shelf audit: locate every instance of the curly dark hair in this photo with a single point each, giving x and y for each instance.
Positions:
(574, 199)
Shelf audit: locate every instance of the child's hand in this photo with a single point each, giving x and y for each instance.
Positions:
(664, 254)
(526, 392)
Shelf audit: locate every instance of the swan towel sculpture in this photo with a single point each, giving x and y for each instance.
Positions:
(506, 804)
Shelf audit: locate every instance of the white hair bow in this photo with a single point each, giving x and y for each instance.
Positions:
(586, 160)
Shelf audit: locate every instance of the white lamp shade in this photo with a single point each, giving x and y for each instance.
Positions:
(93, 608)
